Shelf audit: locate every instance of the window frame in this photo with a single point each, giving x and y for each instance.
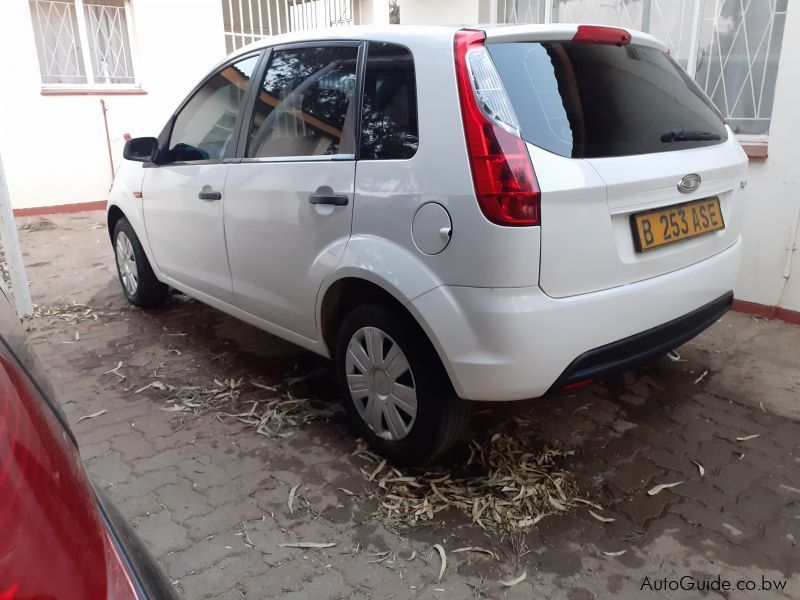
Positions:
(82, 41)
(354, 107)
(231, 151)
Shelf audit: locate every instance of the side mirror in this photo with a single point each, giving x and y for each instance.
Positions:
(142, 149)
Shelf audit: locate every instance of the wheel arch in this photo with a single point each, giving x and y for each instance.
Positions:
(113, 216)
(355, 289)
(115, 212)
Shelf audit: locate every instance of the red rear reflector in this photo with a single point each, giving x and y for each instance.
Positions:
(505, 184)
(577, 385)
(592, 34)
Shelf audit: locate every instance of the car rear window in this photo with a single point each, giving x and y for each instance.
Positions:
(591, 101)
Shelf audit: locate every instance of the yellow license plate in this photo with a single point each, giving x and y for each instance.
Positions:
(675, 223)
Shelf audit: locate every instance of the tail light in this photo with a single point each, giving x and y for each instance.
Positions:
(53, 541)
(502, 173)
(593, 34)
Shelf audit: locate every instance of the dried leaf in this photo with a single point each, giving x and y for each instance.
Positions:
(377, 470)
(311, 545)
(115, 371)
(290, 501)
(443, 556)
(556, 503)
(744, 438)
(515, 581)
(601, 518)
(661, 487)
(588, 503)
(700, 468)
(618, 553)
(346, 491)
(92, 416)
(475, 549)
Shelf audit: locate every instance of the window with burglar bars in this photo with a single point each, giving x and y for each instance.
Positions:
(82, 42)
(730, 47)
(247, 21)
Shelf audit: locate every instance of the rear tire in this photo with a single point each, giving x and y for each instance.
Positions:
(139, 283)
(395, 389)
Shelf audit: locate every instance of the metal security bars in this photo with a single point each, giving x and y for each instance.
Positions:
(730, 47)
(246, 21)
(82, 42)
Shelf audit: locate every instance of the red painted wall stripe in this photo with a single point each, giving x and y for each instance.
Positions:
(59, 209)
(768, 312)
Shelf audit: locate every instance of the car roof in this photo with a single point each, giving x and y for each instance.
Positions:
(408, 34)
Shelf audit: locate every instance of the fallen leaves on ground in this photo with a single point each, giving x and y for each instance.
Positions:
(272, 416)
(68, 314)
(508, 484)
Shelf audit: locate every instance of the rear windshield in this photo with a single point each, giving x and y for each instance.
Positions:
(590, 101)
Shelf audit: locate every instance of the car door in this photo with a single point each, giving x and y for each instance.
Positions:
(183, 194)
(288, 206)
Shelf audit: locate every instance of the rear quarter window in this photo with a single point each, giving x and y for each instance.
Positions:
(590, 101)
(389, 126)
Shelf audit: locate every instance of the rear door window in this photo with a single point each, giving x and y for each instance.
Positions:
(304, 106)
(590, 101)
(389, 128)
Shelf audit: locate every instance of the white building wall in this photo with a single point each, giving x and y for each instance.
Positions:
(54, 147)
(773, 193)
(445, 12)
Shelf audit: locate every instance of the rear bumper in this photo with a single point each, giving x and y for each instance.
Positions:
(630, 352)
(517, 343)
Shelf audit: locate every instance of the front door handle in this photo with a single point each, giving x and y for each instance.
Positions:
(208, 193)
(332, 199)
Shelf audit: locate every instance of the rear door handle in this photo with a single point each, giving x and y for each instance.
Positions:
(208, 193)
(333, 199)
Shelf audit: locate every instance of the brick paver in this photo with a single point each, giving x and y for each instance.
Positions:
(209, 496)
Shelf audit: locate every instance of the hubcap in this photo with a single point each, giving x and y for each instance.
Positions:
(126, 263)
(381, 384)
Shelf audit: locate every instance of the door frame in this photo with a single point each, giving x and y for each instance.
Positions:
(231, 150)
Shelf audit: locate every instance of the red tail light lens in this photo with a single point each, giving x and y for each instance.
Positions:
(592, 34)
(505, 183)
(53, 542)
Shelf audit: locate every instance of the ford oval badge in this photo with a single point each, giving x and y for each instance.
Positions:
(689, 183)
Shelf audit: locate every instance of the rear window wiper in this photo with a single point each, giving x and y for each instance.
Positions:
(689, 135)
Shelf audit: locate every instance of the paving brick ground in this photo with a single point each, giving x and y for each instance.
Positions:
(209, 496)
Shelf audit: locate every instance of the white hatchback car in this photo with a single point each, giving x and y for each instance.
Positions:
(449, 214)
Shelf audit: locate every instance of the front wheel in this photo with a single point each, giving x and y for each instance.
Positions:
(395, 389)
(139, 283)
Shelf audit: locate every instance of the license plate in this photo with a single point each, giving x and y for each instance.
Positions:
(672, 224)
